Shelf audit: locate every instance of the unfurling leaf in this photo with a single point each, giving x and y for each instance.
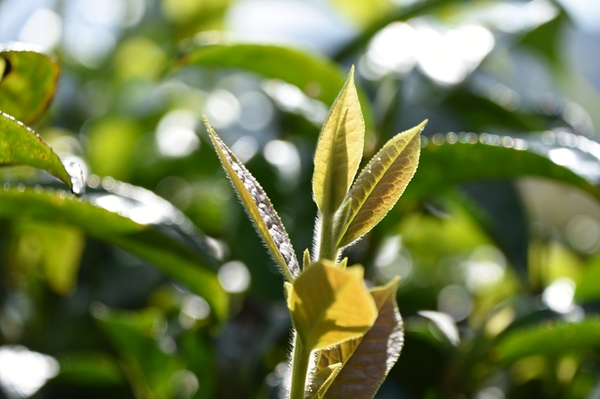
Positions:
(19, 145)
(367, 360)
(329, 305)
(257, 204)
(380, 184)
(339, 149)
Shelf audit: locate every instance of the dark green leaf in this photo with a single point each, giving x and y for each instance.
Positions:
(552, 339)
(28, 82)
(445, 165)
(89, 368)
(546, 40)
(161, 235)
(136, 335)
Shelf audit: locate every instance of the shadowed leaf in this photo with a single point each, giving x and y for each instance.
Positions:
(179, 253)
(321, 382)
(368, 360)
(329, 305)
(380, 184)
(19, 145)
(27, 81)
(550, 339)
(150, 370)
(339, 149)
(264, 217)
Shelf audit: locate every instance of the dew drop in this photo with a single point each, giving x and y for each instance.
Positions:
(76, 174)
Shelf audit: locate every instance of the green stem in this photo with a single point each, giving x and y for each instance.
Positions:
(327, 246)
(299, 369)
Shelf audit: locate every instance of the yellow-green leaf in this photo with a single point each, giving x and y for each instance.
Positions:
(329, 305)
(381, 183)
(27, 81)
(322, 380)
(367, 360)
(339, 149)
(60, 249)
(259, 208)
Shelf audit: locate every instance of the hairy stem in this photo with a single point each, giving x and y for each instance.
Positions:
(327, 246)
(299, 369)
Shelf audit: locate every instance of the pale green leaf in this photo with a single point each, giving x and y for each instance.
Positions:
(264, 217)
(380, 184)
(329, 305)
(19, 145)
(339, 149)
(368, 360)
(306, 261)
(321, 382)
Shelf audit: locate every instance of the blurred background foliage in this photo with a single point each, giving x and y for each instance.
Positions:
(496, 239)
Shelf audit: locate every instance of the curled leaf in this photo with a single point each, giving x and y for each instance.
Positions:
(264, 217)
(380, 184)
(367, 360)
(329, 305)
(339, 149)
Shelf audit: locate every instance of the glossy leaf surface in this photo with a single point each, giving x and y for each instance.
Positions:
(329, 305)
(339, 149)
(381, 183)
(184, 259)
(19, 145)
(27, 81)
(446, 165)
(368, 360)
(266, 221)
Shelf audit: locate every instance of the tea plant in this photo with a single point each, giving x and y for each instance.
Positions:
(347, 337)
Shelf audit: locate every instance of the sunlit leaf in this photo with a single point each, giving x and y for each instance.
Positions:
(381, 183)
(330, 305)
(149, 369)
(476, 157)
(551, 338)
(27, 81)
(368, 360)
(314, 74)
(89, 368)
(180, 253)
(588, 289)
(339, 149)
(19, 145)
(259, 208)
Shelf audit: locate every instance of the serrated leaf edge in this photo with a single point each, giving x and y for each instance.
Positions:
(265, 219)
